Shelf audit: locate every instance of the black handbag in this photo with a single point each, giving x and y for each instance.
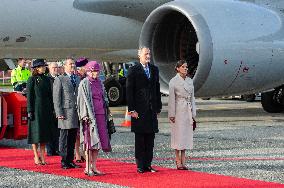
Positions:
(110, 124)
(194, 125)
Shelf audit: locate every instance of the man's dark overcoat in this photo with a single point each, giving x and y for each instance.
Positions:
(143, 96)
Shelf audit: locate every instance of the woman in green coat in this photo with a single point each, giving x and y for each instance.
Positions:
(39, 98)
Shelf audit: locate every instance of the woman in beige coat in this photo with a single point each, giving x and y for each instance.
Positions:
(182, 111)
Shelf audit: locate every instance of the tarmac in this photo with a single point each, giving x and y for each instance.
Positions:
(233, 138)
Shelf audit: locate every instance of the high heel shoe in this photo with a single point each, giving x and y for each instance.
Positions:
(37, 161)
(184, 167)
(179, 166)
(44, 163)
(88, 173)
(82, 160)
(98, 173)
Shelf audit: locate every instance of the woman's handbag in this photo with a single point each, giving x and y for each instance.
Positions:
(194, 125)
(110, 123)
(110, 126)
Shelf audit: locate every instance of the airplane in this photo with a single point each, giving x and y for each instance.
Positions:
(232, 46)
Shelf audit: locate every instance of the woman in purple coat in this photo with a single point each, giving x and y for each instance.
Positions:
(92, 110)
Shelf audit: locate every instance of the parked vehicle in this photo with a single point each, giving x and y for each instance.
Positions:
(114, 77)
(252, 97)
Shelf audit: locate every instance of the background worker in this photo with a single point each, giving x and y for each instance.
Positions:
(52, 147)
(20, 75)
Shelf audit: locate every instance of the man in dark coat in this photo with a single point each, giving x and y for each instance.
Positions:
(144, 104)
(52, 147)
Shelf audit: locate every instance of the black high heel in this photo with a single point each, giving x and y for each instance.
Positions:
(179, 166)
(37, 161)
(82, 160)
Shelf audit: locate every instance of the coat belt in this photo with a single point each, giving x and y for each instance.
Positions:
(186, 99)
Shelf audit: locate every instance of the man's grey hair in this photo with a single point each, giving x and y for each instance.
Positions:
(141, 48)
(52, 63)
(68, 58)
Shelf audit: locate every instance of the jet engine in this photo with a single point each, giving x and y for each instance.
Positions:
(231, 46)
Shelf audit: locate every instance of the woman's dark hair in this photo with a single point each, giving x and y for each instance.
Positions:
(179, 64)
(35, 72)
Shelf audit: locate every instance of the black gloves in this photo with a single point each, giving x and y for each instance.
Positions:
(15, 83)
(31, 116)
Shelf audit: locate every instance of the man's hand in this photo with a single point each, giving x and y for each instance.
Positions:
(85, 118)
(172, 119)
(61, 117)
(134, 115)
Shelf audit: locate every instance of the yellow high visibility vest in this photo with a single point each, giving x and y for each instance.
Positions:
(120, 73)
(20, 75)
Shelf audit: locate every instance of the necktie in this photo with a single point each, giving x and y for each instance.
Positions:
(147, 72)
(73, 80)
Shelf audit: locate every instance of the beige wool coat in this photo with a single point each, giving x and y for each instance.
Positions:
(181, 105)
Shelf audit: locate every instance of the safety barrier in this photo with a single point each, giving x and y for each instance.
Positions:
(14, 116)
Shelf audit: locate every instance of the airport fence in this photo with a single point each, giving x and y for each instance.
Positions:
(5, 77)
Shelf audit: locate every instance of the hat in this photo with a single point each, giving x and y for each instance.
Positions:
(92, 66)
(38, 63)
(81, 62)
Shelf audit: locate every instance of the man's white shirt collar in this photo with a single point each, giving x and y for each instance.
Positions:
(145, 66)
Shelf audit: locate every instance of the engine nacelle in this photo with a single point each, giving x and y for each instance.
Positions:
(231, 46)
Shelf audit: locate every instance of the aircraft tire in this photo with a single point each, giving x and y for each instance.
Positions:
(269, 104)
(114, 92)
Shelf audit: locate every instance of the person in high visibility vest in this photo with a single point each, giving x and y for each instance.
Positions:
(20, 75)
(121, 72)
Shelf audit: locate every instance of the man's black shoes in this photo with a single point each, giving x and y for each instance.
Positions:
(147, 169)
(140, 170)
(65, 166)
(150, 169)
(73, 165)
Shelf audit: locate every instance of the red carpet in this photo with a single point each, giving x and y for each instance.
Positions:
(125, 173)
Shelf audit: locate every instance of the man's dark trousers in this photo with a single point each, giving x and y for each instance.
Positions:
(67, 141)
(52, 147)
(144, 145)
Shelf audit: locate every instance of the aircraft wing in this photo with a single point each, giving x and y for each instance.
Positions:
(138, 9)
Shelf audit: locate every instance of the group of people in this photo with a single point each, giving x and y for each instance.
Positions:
(76, 105)
(80, 103)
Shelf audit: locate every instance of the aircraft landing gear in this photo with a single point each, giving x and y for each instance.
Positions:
(272, 101)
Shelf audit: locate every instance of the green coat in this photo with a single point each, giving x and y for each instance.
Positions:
(39, 98)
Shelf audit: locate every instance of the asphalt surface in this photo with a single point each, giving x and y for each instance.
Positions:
(233, 138)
